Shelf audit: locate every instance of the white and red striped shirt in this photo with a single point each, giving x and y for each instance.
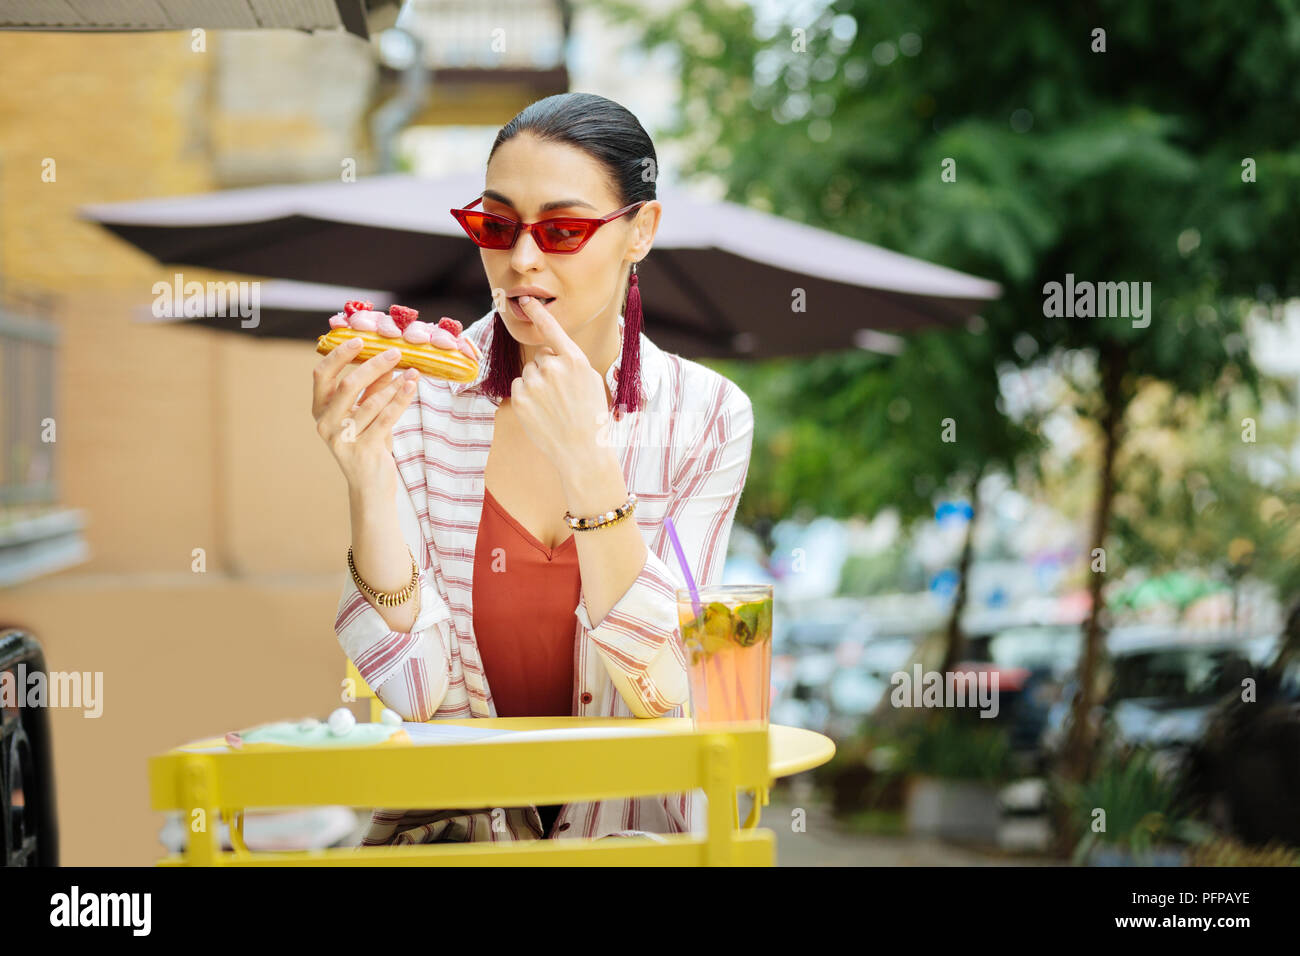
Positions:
(685, 454)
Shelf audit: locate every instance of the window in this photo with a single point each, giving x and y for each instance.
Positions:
(37, 536)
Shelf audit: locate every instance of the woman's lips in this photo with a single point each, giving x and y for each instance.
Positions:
(519, 309)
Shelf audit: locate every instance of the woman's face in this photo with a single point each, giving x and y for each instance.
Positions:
(524, 175)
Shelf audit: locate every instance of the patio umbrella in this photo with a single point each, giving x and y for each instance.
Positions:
(284, 308)
(720, 280)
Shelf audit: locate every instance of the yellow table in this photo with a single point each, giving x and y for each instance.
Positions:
(791, 750)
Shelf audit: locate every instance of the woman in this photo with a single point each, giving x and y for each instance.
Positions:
(501, 607)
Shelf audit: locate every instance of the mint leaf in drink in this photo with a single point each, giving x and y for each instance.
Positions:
(764, 629)
(745, 623)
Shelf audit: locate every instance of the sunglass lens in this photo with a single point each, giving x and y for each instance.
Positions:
(563, 236)
(489, 232)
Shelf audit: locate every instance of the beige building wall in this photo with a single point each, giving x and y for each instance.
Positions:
(171, 439)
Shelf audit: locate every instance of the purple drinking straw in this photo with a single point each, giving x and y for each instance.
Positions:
(686, 568)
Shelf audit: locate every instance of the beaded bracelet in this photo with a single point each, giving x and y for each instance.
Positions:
(602, 520)
(383, 598)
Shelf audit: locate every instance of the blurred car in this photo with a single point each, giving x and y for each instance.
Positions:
(1033, 663)
(1018, 707)
(1161, 697)
(823, 630)
(1050, 648)
(1048, 654)
(864, 676)
(809, 642)
(1163, 687)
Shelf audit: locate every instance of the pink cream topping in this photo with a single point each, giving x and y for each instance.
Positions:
(416, 332)
(365, 321)
(440, 338)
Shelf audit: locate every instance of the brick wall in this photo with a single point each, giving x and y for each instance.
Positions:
(172, 438)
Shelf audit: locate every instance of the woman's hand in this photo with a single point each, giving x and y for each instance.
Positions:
(355, 411)
(559, 399)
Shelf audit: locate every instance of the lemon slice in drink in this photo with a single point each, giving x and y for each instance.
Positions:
(717, 626)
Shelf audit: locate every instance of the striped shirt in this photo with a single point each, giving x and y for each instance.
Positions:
(685, 454)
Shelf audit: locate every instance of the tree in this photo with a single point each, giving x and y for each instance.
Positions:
(874, 432)
(1108, 143)
(1189, 499)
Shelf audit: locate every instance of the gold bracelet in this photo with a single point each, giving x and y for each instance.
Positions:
(602, 520)
(386, 598)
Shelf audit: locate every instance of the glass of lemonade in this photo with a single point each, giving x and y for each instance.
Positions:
(728, 645)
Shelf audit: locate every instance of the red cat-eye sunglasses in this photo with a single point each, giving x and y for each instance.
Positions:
(565, 235)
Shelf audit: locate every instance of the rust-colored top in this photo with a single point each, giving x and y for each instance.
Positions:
(524, 622)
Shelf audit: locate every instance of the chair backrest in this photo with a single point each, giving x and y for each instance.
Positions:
(29, 833)
(357, 686)
(497, 773)
(718, 762)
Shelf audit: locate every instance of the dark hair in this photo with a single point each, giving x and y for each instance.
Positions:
(611, 135)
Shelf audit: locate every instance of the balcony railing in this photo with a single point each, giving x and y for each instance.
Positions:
(485, 59)
(490, 34)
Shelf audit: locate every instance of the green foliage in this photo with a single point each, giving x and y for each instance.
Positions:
(955, 747)
(1225, 851)
(863, 776)
(887, 571)
(1124, 165)
(853, 433)
(1189, 495)
(1141, 807)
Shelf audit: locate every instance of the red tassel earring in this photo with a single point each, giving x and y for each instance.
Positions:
(504, 361)
(628, 398)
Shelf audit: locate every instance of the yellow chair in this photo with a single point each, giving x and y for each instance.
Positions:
(206, 785)
(359, 690)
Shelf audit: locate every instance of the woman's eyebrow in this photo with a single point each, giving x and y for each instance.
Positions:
(557, 204)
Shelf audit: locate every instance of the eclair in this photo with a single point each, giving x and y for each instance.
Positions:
(440, 350)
